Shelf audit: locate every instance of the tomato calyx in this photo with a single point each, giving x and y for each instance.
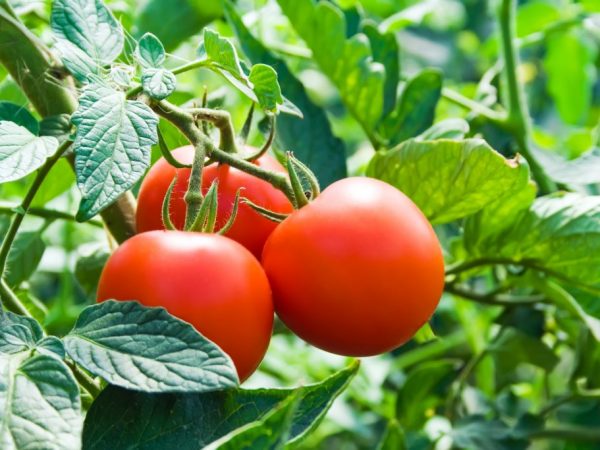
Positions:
(304, 182)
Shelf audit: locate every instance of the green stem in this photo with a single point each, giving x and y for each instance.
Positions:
(460, 267)
(461, 381)
(514, 97)
(222, 120)
(492, 298)
(10, 300)
(44, 213)
(193, 196)
(85, 380)
(567, 433)
(496, 117)
(186, 124)
(431, 350)
(18, 218)
(190, 66)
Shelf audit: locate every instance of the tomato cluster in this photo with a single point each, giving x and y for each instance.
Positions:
(355, 272)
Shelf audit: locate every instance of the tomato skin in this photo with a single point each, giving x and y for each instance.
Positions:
(357, 271)
(208, 280)
(250, 228)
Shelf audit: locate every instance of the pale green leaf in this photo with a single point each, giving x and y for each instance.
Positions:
(89, 25)
(150, 51)
(19, 115)
(22, 152)
(39, 404)
(112, 146)
(76, 60)
(158, 83)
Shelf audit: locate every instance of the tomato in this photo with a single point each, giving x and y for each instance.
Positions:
(357, 271)
(250, 228)
(208, 280)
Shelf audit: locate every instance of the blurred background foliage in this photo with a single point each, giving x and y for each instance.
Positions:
(472, 385)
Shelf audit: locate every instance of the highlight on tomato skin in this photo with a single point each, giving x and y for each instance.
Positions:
(249, 229)
(207, 280)
(357, 271)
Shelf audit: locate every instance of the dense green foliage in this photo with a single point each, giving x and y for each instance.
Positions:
(484, 113)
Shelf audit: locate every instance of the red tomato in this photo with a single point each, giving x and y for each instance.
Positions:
(357, 271)
(250, 228)
(208, 280)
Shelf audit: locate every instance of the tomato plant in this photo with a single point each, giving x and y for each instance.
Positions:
(362, 256)
(416, 181)
(250, 228)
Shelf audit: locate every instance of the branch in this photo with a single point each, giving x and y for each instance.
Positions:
(31, 65)
(494, 298)
(186, 123)
(518, 113)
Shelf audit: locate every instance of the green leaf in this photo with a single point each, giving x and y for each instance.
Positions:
(58, 126)
(348, 63)
(14, 338)
(88, 269)
(449, 179)
(158, 83)
(24, 257)
(51, 346)
(415, 110)
(271, 432)
(221, 51)
(22, 152)
(150, 51)
(311, 139)
(393, 438)
(147, 349)
(19, 115)
(31, 324)
(90, 26)
(559, 234)
(266, 87)
(112, 146)
(176, 20)
(513, 347)
(445, 129)
(39, 404)
(582, 170)
(417, 395)
(77, 61)
(60, 178)
(535, 16)
(496, 216)
(121, 77)
(36, 308)
(570, 84)
(481, 433)
(121, 419)
(385, 51)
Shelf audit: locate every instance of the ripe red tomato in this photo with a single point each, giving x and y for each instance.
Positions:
(250, 228)
(208, 280)
(357, 271)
